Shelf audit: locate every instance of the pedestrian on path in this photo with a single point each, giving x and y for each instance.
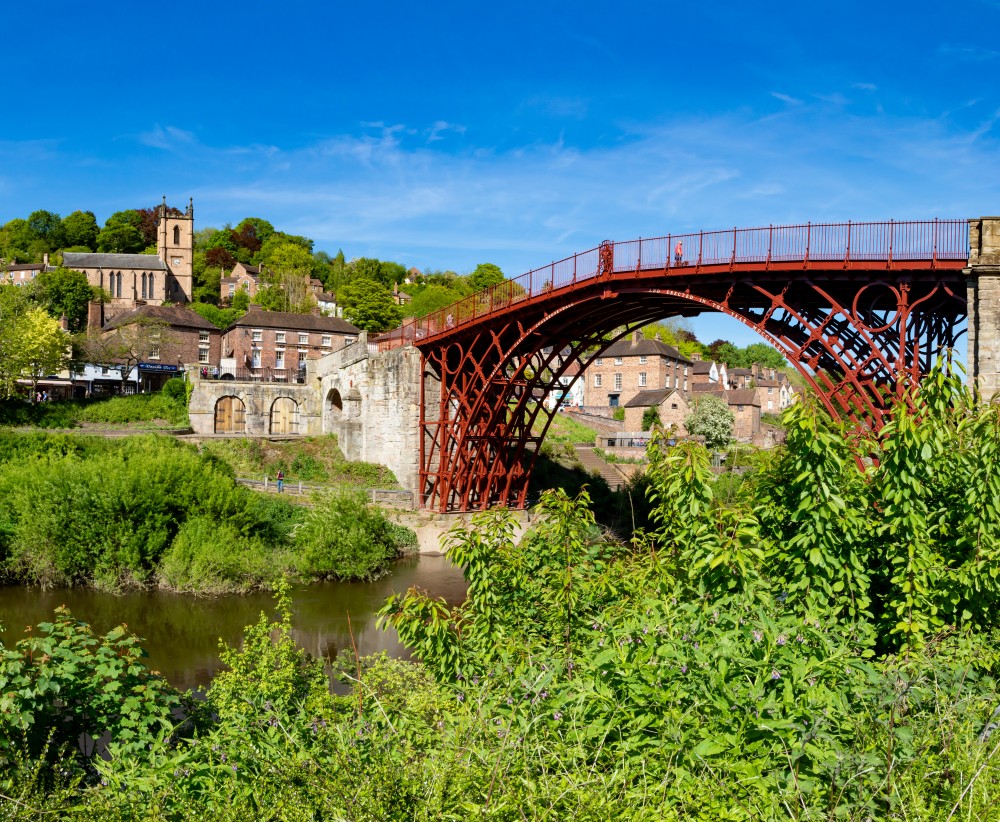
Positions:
(281, 481)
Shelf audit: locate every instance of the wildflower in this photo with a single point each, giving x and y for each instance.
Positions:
(461, 697)
(775, 675)
(757, 636)
(684, 669)
(696, 646)
(510, 700)
(557, 716)
(800, 639)
(475, 680)
(782, 639)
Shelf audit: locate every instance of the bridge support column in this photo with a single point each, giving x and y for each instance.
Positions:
(984, 304)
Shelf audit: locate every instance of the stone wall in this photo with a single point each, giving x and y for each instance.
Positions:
(371, 401)
(984, 304)
(258, 399)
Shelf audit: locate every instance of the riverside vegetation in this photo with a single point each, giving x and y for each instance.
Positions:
(823, 647)
(150, 511)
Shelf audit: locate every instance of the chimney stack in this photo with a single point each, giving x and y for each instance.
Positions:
(95, 315)
(635, 338)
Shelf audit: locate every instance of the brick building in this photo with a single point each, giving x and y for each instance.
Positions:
(243, 277)
(745, 406)
(277, 344)
(672, 404)
(166, 339)
(632, 365)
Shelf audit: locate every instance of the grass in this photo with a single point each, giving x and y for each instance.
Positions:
(146, 410)
(565, 429)
(316, 460)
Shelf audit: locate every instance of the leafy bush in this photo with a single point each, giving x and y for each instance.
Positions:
(342, 537)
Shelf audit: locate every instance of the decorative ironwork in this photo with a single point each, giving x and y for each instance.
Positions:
(860, 309)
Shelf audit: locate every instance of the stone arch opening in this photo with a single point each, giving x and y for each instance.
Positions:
(284, 418)
(230, 416)
(333, 410)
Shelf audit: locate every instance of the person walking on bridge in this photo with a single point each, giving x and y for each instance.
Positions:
(678, 252)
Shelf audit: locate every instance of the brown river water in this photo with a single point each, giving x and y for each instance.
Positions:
(181, 633)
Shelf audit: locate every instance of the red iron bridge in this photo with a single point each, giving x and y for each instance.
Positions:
(860, 309)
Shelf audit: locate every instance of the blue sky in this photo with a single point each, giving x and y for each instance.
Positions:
(446, 134)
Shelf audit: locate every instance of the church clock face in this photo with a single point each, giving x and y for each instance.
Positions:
(175, 261)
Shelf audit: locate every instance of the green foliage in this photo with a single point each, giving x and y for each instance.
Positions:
(369, 305)
(485, 275)
(222, 317)
(618, 413)
(269, 670)
(711, 418)
(62, 687)
(343, 537)
(63, 291)
(651, 417)
(149, 511)
(81, 230)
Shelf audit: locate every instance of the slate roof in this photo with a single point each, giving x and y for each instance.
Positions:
(174, 315)
(644, 348)
(139, 262)
(740, 372)
(742, 396)
(256, 318)
(706, 388)
(645, 399)
(701, 367)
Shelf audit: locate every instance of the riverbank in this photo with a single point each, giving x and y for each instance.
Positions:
(150, 512)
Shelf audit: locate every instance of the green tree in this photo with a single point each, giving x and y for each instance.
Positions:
(764, 354)
(64, 291)
(485, 275)
(430, 298)
(81, 229)
(42, 348)
(120, 238)
(46, 229)
(240, 301)
(369, 305)
(15, 241)
(711, 418)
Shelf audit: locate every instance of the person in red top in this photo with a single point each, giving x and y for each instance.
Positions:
(678, 252)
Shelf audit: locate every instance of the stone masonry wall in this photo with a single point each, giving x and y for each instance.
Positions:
(372, 402)
(984, 304)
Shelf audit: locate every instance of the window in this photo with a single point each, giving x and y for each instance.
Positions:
(685, 385)
(685, 370)
(327, 340)
(279, 336)
(597, 380)
(618, 360)
(203, 336)
(245, 285)
(257, 335)
(279, 358)
(673, 406)
(599, 361)
(642, 360)
(642, 378)
(770, 389)
(203, 353)
(232, 289)
(256, 358)
(618, 382)
(303, 339)
(177, 235)
(144, 286)
(739, 408)
(302, 358)
(770, 404)
(154, 352)
(149, 284)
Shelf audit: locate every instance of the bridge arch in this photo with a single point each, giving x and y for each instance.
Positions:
(859, 310)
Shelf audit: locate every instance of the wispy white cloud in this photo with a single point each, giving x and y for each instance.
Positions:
(864, 86)
(168, 138)
(786, 98)
(969, 54)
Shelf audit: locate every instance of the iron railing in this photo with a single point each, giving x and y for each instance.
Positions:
(263, 374)
(881, 242)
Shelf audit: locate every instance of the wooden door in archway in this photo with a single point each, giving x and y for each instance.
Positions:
(284, 416)
(230, 416)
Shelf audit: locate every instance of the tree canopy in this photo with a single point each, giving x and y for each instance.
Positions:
(369, 305)
(711, 418)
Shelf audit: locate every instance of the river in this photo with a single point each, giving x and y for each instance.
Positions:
(181, 633)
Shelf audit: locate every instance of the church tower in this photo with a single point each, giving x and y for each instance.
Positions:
(175, 246)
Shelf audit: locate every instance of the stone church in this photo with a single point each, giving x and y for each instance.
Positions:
(134, 280)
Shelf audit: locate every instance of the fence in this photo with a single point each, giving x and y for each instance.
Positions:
(392, 497)
(849, 242)
(241, 374)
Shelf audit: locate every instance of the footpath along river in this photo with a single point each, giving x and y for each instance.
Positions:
(181, 633)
